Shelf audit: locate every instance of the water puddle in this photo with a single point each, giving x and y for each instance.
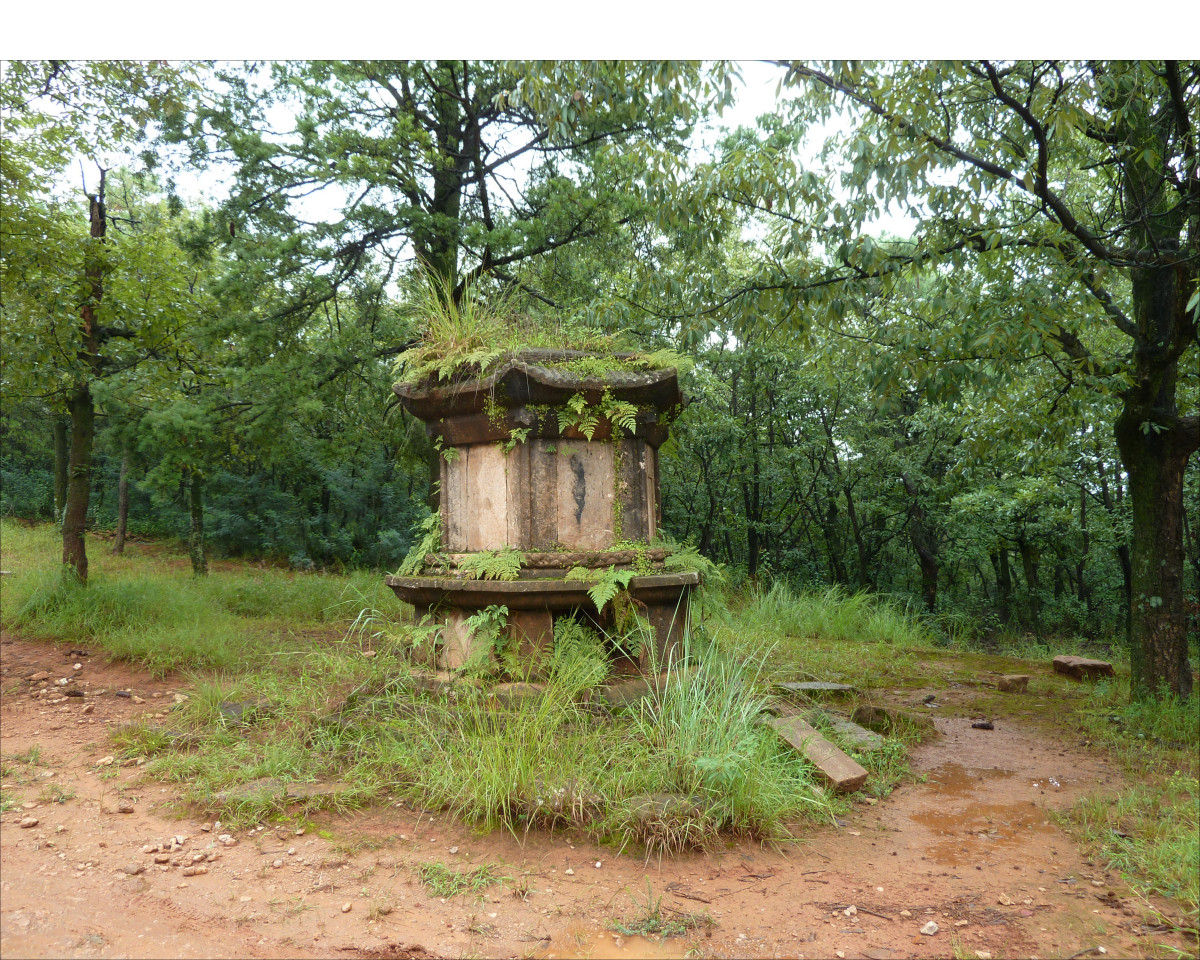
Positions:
(578, 944)
(970, 832)
(955, 780)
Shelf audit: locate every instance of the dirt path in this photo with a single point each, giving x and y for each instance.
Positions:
(973, 849)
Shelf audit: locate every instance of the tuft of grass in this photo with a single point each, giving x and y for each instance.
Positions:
(31, 757)
(708, 745)
(444, 881)
(654, 920)
(56, 794)
(820, 634)
(835, 616)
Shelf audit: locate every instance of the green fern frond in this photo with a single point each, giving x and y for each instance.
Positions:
(608, 583)
(622, 414)
(576, 413)
(664, 359)
(516, 436)
(428, 541)
(491, 565)
(689, 560)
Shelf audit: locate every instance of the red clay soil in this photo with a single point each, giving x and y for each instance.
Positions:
(973, 849)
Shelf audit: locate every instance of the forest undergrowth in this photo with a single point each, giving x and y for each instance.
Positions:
(298, 678)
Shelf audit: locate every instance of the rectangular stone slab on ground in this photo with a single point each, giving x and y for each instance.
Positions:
(816, 688)
(1081, 668)
(889, 719)
(842, 773)
(858, 737)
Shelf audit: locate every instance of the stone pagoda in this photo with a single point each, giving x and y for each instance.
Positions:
(562, 467)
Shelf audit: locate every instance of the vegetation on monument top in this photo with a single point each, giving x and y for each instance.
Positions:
(468, 333)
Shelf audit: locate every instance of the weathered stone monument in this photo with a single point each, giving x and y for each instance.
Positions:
(554, 456)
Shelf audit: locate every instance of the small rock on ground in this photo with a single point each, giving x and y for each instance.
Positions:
(929, 929)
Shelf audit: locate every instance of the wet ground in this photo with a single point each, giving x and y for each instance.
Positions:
(974, 849)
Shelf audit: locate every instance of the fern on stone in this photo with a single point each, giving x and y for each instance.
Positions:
(491, 565)
(429, 540)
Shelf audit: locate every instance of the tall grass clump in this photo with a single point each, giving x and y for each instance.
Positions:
(707, 744)
(824, 634)
(835, 616)
(674, 772)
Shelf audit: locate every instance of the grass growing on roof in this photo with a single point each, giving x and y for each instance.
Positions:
(467, 336)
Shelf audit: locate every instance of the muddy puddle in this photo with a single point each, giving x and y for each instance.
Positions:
(970, 832)
(956, 780)
(582, 944)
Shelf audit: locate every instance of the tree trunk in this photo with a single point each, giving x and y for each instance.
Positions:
(1085, 595)
(61, 454)
(80, 406)
(1155, 442)
(122, 506)
(1030, 563)
(1003, 584)
(1155, 463)
(79, 481)
(196, 527)
(924, 542)
(983, 584)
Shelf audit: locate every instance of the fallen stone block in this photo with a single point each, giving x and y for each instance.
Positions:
(1013, 683)
(512, 694)
(266, 788)
(437, 683)
(1082, 668)
(624, 691)
(620, 692)
(663, 807)
(838, 770)
(857, 737)
(816, 688)
(238, 711)
(890, 720)
(309, 791)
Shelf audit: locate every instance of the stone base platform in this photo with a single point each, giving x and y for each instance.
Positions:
(533, 606)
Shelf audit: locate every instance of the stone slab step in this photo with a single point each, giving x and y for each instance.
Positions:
(838, 770)
(631, 689)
